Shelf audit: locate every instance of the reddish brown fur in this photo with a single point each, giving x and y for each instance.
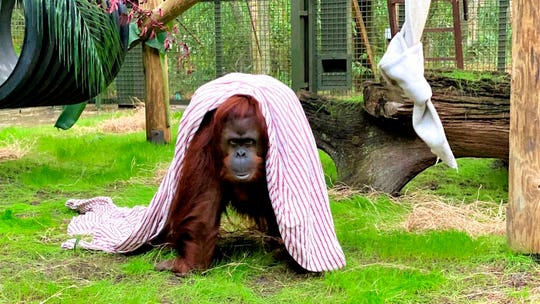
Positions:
(204, 189)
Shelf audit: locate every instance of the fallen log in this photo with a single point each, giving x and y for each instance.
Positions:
(374, 145)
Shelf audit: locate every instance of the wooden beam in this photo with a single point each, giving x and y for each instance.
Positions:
(155, 69)
(523, 216)
(156, 92)
(166, 10)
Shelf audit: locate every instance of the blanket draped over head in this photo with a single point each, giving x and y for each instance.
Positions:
(295, 181)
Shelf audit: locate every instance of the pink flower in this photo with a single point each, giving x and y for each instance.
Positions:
(113, 5)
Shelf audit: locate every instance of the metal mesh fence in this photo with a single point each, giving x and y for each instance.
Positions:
(334, 19)
(129, 83)
(221, 37)
(334, 45)
(254, 36)
(485, 28)
(487, 35)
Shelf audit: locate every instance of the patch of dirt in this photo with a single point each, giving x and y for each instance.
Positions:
(43, 115)
(267, 285)
(48, 115)
(251, 240)
(492, 285)
(88, 268)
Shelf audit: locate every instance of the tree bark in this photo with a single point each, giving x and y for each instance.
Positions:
(524, 179)
(170, 9)
(156, 99)
(374, 145)
(155, 68)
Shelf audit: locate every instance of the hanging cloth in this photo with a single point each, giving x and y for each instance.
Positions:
(403, 63)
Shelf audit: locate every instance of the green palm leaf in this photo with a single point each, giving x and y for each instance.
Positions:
(70, 115)
(88, 40)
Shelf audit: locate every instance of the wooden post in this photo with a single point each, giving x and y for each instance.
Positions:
(156, 75)
(156, 99)
(523, 216)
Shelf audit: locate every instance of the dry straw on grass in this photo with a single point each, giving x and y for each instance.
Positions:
(125, 124)
(160, 173)
(340, 192)
(15, 149)
(476, 219)
(430, 212)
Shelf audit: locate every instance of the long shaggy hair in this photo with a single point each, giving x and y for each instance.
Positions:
(202, 195)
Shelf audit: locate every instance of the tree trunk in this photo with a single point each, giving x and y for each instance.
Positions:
(156, 93)
(524, 179)
(155, 69)
(170, 9)
(375, 145)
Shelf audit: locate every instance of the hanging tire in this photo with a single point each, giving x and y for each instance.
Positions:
(39, 76)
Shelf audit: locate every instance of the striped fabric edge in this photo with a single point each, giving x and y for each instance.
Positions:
(294, 173)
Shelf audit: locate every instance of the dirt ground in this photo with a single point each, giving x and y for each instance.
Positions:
(49, 115)
(41, 115)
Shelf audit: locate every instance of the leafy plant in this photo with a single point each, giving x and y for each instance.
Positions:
(87, 37)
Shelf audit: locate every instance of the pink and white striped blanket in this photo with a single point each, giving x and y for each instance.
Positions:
(294, 173)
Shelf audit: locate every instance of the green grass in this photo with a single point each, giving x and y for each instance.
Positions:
(476, 179)
(385, 263)
(472, 75)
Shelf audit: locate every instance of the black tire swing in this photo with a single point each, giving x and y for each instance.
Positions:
(46, 73)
